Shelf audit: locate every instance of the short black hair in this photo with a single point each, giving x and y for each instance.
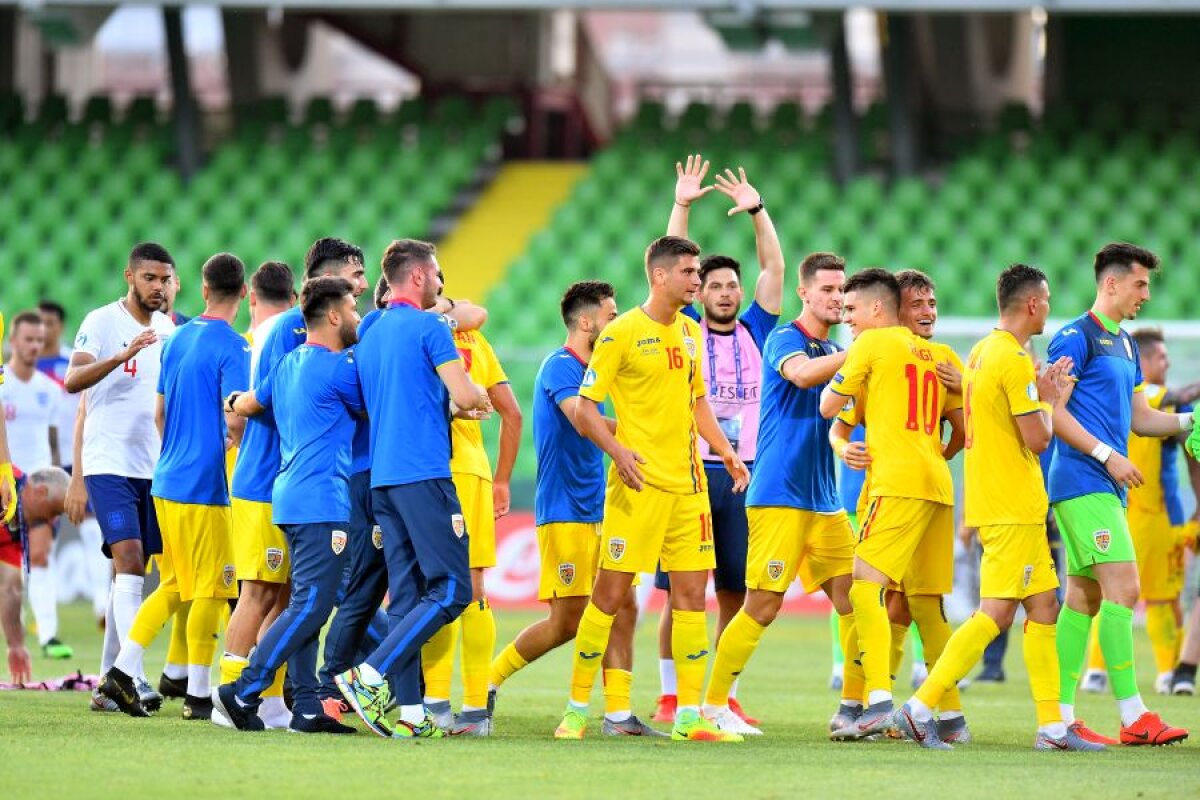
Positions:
(381, 290)
(815, 262)
(224, 274)
(914, 279)
(582, 296)
(1015, 283)
(668, 248)
(328, 254)
(714, 262)
(273, 282)
(321, 294)
(403, 255)
(1121, 256)
(1148, 336)
(150, 251)
(52, 307)
(26, 318)
(878, 282)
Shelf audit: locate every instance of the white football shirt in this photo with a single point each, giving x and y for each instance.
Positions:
(30, 410)
(119, 434)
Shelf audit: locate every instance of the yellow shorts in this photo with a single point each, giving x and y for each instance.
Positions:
(642, 529)
(230, 461)
(931, 570)
(570, 553)
(475, 497)
(790, 542)
(1016, 562)
(197, 556)
(892, 533)
(1159, 550)
(260, 549)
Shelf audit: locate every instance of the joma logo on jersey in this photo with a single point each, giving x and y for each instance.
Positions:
(647, 342)
(1103, 539)
(274, 558)
(775, 570)
(566, 574)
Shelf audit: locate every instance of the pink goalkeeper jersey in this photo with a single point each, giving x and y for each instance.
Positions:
(733, 374)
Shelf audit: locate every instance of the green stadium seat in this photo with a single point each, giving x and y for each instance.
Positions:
(12, 111)
(52, 111)
(142, 111)
(98, 111)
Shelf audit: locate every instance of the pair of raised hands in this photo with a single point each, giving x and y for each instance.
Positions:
(689, 185)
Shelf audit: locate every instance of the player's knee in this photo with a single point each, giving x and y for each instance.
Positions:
(763, 607)
(453, 595)
(39, 557)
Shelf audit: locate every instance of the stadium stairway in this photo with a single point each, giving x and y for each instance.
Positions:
(518, 203)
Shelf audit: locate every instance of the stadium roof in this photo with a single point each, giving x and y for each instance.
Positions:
(1051, 6)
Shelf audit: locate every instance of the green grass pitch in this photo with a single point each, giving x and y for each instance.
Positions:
(51, 746)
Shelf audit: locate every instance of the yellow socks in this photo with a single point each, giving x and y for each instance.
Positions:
(618, 686)
(935, 632)
(505, 664)
(1041, 662)
(232, 666)
(478, 645)
(689, 648)
(899, 633)
(1164, 635)
(177, 650)
(853, 680)
(737, 644)
(203, 621)
(591, 640)
(152, 616)
(437, 661)
(962, 652)
(874, 635)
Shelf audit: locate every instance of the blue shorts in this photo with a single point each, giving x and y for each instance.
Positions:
(125, 510)
(731, 533)
(89, 510)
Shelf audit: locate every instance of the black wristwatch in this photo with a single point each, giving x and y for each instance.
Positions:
(757, 208)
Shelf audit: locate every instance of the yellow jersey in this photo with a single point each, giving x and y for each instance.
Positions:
(1004, 483)
(652, 372)
(467, 454)
(1146, 453)
(892, 373)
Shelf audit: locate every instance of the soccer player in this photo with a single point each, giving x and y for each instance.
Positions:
(406, 363)
(568, 509)
(1156, 520)
(797, 524)
(31, 410)
(483, 501)
(892, 374)
(1009, 410)
(1088, 483)
(37, 500)
(315, 389)
(260, 547)
(733, 344)
(203, 362)
(169, 306)
(656, 507)
(117, 359)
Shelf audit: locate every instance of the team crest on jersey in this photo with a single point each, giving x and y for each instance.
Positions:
(589, 378)
(1027, 576)
(458, 524)
(337, 540)
(616, 549)
(775, 570)
(1103, 539)
(690, 345)
(274, 558)
(377, 537)
(227, 575)
(566, 574)
(1031, 391)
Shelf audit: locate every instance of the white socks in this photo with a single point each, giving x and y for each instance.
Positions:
(127, 599)
(733, 687)
(43, 599)
(1055, 730)
(666, 675)
(372, 676)
(1131, 709)
(413, 715)
(129, 660)
(97, 567)
(1068, 713)
(274, 713)
(175, 672)
(199, 684)
(618, 716)
(921, 712)
(878, 696)
(112, 642)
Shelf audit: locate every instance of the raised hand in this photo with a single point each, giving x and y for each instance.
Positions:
(739, 190)
(138, 344)
(1054, 380)
(689, 183)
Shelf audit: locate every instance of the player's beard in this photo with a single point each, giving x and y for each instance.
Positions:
(713, 315)
(148, 304)
(348, 333)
